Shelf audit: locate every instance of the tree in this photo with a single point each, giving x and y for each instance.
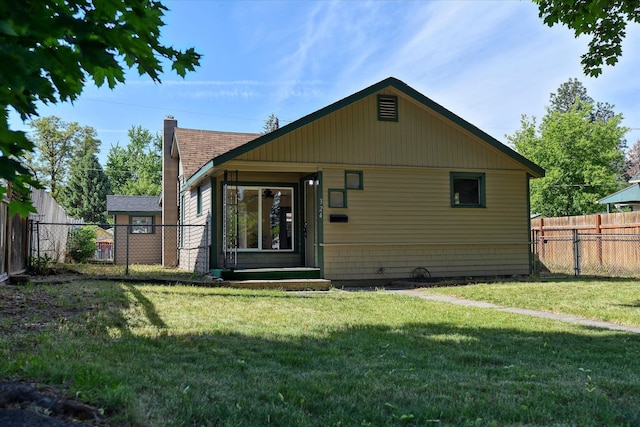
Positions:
(581, 156)
(136, 169)
(632, 166)
(85, 195)
(53, 141)
(568, 95)
(48, 51)
(272, 123)
(85, 141)
(81, 243)
(573, 94)
(604, 20)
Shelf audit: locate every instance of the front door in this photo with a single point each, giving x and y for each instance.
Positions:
(310, 226)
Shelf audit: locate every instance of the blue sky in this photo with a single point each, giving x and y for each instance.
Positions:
(488, 61)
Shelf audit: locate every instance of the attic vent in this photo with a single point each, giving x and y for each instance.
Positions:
(388, 108)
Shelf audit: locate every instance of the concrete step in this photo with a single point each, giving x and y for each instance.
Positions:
(283, 284)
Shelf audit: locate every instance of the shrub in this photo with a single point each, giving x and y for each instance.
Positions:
(81, 243)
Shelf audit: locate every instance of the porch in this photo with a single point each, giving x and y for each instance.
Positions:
(290, 279)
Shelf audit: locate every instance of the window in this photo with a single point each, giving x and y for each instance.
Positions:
(262, 219)
(337, 199)
(388, 108)
(353, 180)
(467, 190)
(141, 225)
(199, 200)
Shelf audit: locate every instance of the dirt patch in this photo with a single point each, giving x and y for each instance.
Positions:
(25, 403)
(30, 404)
(34, 310)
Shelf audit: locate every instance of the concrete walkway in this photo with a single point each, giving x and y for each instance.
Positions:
(535, 313)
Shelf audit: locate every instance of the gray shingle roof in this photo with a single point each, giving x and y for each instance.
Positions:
(147, 204)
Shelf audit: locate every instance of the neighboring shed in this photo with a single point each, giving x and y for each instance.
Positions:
(383, 184)
(628, 197)
(135, 219)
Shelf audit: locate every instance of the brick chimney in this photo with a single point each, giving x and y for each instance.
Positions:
(169, 195)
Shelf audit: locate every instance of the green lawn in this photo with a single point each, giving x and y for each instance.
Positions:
(609, 300)
(178, 355)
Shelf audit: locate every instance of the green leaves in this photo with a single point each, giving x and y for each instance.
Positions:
(581, 153)
(49, 48)
(604, 20)
(136, 169)
(54, 139)
(6, 27)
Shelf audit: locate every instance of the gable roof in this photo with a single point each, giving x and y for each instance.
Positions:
(533, 168)
(141, 204)
(630, 195)
(198, 146)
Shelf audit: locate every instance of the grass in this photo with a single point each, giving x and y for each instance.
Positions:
(615, 301)
(135, 270)
(178, 356)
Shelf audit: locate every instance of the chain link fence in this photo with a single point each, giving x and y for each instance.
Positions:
(587, 254)
(119, 244)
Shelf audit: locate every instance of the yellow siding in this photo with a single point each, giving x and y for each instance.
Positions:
(353, 135)
(413, 206)
(399, 261)
(403, 219)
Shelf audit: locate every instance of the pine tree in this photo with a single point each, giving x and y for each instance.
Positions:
(85, 196)
(272, 123)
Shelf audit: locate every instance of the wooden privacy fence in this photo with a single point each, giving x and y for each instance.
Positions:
(16, 237)
(13, 243)
(599, 245)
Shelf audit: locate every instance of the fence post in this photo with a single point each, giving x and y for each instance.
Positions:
(576, 253)
(38, 233)
(31, 232)
(542, 237)
(599, 239)
(534, 250)
(126, 268)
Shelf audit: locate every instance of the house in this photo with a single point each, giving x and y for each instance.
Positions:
(383, 184)
(627, 197)
(135, 219)
(104, 244)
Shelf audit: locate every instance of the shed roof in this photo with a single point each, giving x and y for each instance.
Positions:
(142, 204)
(630, 194)
(196, 147)
(635, 178)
